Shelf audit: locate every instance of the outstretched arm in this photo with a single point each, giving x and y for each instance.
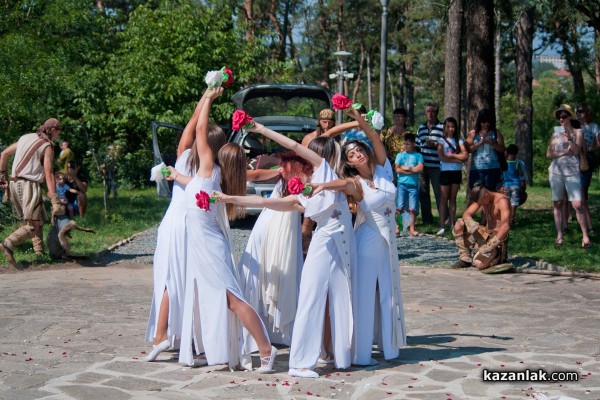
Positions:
(289, 203)
(262, 174)
(189, 132)
(378, 147)
(347, 186)
(204, 151)
(288, 143)
(341, 128)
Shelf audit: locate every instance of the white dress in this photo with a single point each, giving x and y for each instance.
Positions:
(326, 273)
(210, 275)
(377, 265)
(269, 267)
(169, 260)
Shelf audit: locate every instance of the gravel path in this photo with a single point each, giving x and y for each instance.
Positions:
(426, 250)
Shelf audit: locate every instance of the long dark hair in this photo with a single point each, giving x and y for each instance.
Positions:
(216, 140)
(325, 147)
(485, 115)
(232, 160)
(348, 171)
(456, 136)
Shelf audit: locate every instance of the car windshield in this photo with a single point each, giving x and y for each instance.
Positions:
(277, 106)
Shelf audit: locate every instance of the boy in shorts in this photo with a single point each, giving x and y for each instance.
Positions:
(408, 165)
(514, 179)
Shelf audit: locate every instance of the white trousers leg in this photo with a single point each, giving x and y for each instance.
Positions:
(386, 306)
(322, 275)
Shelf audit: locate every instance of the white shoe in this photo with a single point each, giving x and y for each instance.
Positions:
(199, 362)
(266, 363)
(441, 231)
(246, 362)
(303, 373)
(159, 348)
(371, 363)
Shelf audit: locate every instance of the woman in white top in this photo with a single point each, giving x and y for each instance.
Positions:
(214, 305)
(328, 264)
(166, 310)
(271, 264)
(369, 182)
(452, 153)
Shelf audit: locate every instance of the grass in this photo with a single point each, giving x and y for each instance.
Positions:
(533, 234)
(134, 211)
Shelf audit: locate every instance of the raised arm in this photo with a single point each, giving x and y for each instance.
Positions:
(290, 144)
(189, 132)
(378, 147)
(262, 174)
(288, 203)
(341, 128)
(204, 151)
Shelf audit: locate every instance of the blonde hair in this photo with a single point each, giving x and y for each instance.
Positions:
(232, 161)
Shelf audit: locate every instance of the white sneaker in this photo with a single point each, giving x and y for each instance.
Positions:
(266, 363)
(199, 362)
(159, 348)
(303, 373)
(441, 231)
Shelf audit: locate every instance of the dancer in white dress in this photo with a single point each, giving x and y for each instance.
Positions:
(214, 304)
(272, 261)
(166, 310)
(369, 181)
(330, 259)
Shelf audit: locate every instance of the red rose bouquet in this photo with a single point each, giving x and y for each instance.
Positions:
(227, 76)
(296, 186)
(241, 120)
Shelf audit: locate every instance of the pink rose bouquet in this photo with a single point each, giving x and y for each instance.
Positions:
(241, 120)
(227, 76)
(296, 186)
(341, 102)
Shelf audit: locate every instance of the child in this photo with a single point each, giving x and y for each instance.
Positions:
(61, 190)
(514, 179)
(452, 153)
(408, 165)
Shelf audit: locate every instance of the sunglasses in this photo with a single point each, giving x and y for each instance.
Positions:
(563, 116)
(581, 112)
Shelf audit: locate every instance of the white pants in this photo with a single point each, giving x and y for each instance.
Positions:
(322, 276)
(373, 270)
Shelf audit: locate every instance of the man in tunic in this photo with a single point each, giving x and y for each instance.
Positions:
(32, 166)
(484, 247)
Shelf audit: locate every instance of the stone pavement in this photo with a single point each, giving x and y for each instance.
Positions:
(78, 333)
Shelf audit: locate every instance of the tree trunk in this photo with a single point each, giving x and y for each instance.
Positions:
(360, 72)
(480, 58)
(389, 76)
(248, 12)
(569, 39)
(410, 95)
(452, 72)
(369, 88)
(597, 59)
(497, 69)
(524, 122)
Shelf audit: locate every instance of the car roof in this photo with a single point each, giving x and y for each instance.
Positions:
(284, 91)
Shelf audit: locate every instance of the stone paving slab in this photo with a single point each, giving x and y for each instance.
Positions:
(78, 333)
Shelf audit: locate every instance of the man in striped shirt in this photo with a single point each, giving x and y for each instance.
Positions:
(428, 135)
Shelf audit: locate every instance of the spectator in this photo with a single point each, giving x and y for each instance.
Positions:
(109, 172)
(32, 166)
(356, 133)
(565, 145)
(484, 143)
(408, 165)
(483, 246)
(591, 135)
(393, 137)
(66, 155)
(452, 153)
(428, 136)
(78, 182)
(61, 190)
(326, 121)
(514, 179)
